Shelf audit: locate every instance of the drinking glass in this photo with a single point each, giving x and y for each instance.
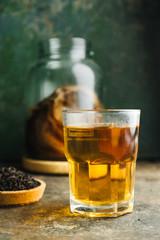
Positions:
(101, 148)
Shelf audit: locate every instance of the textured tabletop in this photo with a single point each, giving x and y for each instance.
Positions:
(50, 218)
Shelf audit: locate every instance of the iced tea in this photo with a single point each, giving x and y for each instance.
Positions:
(102, 163)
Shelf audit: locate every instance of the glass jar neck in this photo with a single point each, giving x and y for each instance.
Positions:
(58, 48)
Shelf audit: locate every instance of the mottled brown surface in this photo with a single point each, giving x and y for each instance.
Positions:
(50, 218)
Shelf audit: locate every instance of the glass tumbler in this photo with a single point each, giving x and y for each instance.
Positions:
(101, 148)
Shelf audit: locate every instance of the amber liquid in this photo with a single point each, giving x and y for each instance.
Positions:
(101, 163)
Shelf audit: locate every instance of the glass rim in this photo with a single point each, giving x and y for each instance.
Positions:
(100, 110)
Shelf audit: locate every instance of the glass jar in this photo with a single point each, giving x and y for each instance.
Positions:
(62, 78)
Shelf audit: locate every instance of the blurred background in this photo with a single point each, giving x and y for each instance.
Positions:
(125, 37)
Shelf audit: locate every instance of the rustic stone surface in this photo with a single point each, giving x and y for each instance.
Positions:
(50, 218)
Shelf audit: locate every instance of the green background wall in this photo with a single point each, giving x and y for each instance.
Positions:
(125, 36)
